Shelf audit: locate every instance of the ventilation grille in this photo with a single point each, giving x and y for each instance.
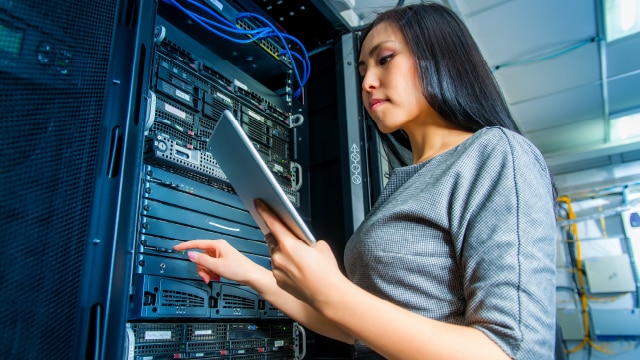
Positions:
(253, 357)
(283, 331)
(237, 302)
(157, 349)
(207, 346)
(182, 299)
(206, 332)
(49, 140)
(216, 108)
(174, 112)
(248, 343)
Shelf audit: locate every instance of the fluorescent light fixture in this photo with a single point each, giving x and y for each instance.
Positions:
(622, 18)
(625, 127)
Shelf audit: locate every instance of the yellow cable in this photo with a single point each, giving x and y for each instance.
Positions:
(603, 225)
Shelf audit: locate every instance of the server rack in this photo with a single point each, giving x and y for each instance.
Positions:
(185, 195)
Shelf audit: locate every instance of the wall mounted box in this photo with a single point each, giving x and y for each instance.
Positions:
(571, 324)
(615, 322)
(609, 274)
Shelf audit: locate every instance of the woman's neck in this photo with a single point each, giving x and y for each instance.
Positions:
(431, 140)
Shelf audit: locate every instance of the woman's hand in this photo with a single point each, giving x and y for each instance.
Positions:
(307, 272)
(220, 259)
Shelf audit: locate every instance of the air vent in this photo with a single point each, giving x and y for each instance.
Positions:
(206, 332)
(283, 331)
(237, 302)
(182, 299)
(149, 350)
(209, 346)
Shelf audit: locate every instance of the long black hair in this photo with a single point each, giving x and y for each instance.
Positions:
(455, 77)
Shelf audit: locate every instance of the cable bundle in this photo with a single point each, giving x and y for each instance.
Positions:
(230, 31)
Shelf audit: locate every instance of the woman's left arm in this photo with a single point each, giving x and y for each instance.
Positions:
(311, 274)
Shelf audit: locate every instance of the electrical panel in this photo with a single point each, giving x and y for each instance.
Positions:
(571, 323)
(609, 274)
(615, 322)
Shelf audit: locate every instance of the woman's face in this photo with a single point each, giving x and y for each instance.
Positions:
(391, 87)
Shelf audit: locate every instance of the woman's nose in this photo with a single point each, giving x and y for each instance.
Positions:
(369, 81)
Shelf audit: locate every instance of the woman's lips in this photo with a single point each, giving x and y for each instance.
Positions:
(374, 103)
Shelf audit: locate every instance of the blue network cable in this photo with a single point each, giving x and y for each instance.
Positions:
(258, 33)
(282, 37)
(305, 67)
(305, 61)
(250, 35)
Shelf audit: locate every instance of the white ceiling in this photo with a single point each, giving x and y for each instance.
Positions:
(559, 99)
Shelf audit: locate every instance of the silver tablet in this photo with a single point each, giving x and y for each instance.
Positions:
(251, 179)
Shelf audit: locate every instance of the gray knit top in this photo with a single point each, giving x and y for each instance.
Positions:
(467, 238)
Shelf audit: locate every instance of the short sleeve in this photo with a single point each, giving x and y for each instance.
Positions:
(504, 223)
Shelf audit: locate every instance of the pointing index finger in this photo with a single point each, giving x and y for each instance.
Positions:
(194, 244)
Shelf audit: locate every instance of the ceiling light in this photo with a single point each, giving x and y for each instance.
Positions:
(625, 127)
(622, 18)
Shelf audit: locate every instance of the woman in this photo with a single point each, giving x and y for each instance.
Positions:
(457, 257)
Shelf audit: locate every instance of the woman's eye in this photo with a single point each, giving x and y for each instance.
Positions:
(385, 59)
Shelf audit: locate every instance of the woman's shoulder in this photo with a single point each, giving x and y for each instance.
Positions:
(497, 139)
(492, 147)
(498, 135)
(500, 145)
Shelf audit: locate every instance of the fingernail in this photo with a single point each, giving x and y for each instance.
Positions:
(192, 255)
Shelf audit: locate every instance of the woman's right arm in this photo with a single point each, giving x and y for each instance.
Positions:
(220, 259)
